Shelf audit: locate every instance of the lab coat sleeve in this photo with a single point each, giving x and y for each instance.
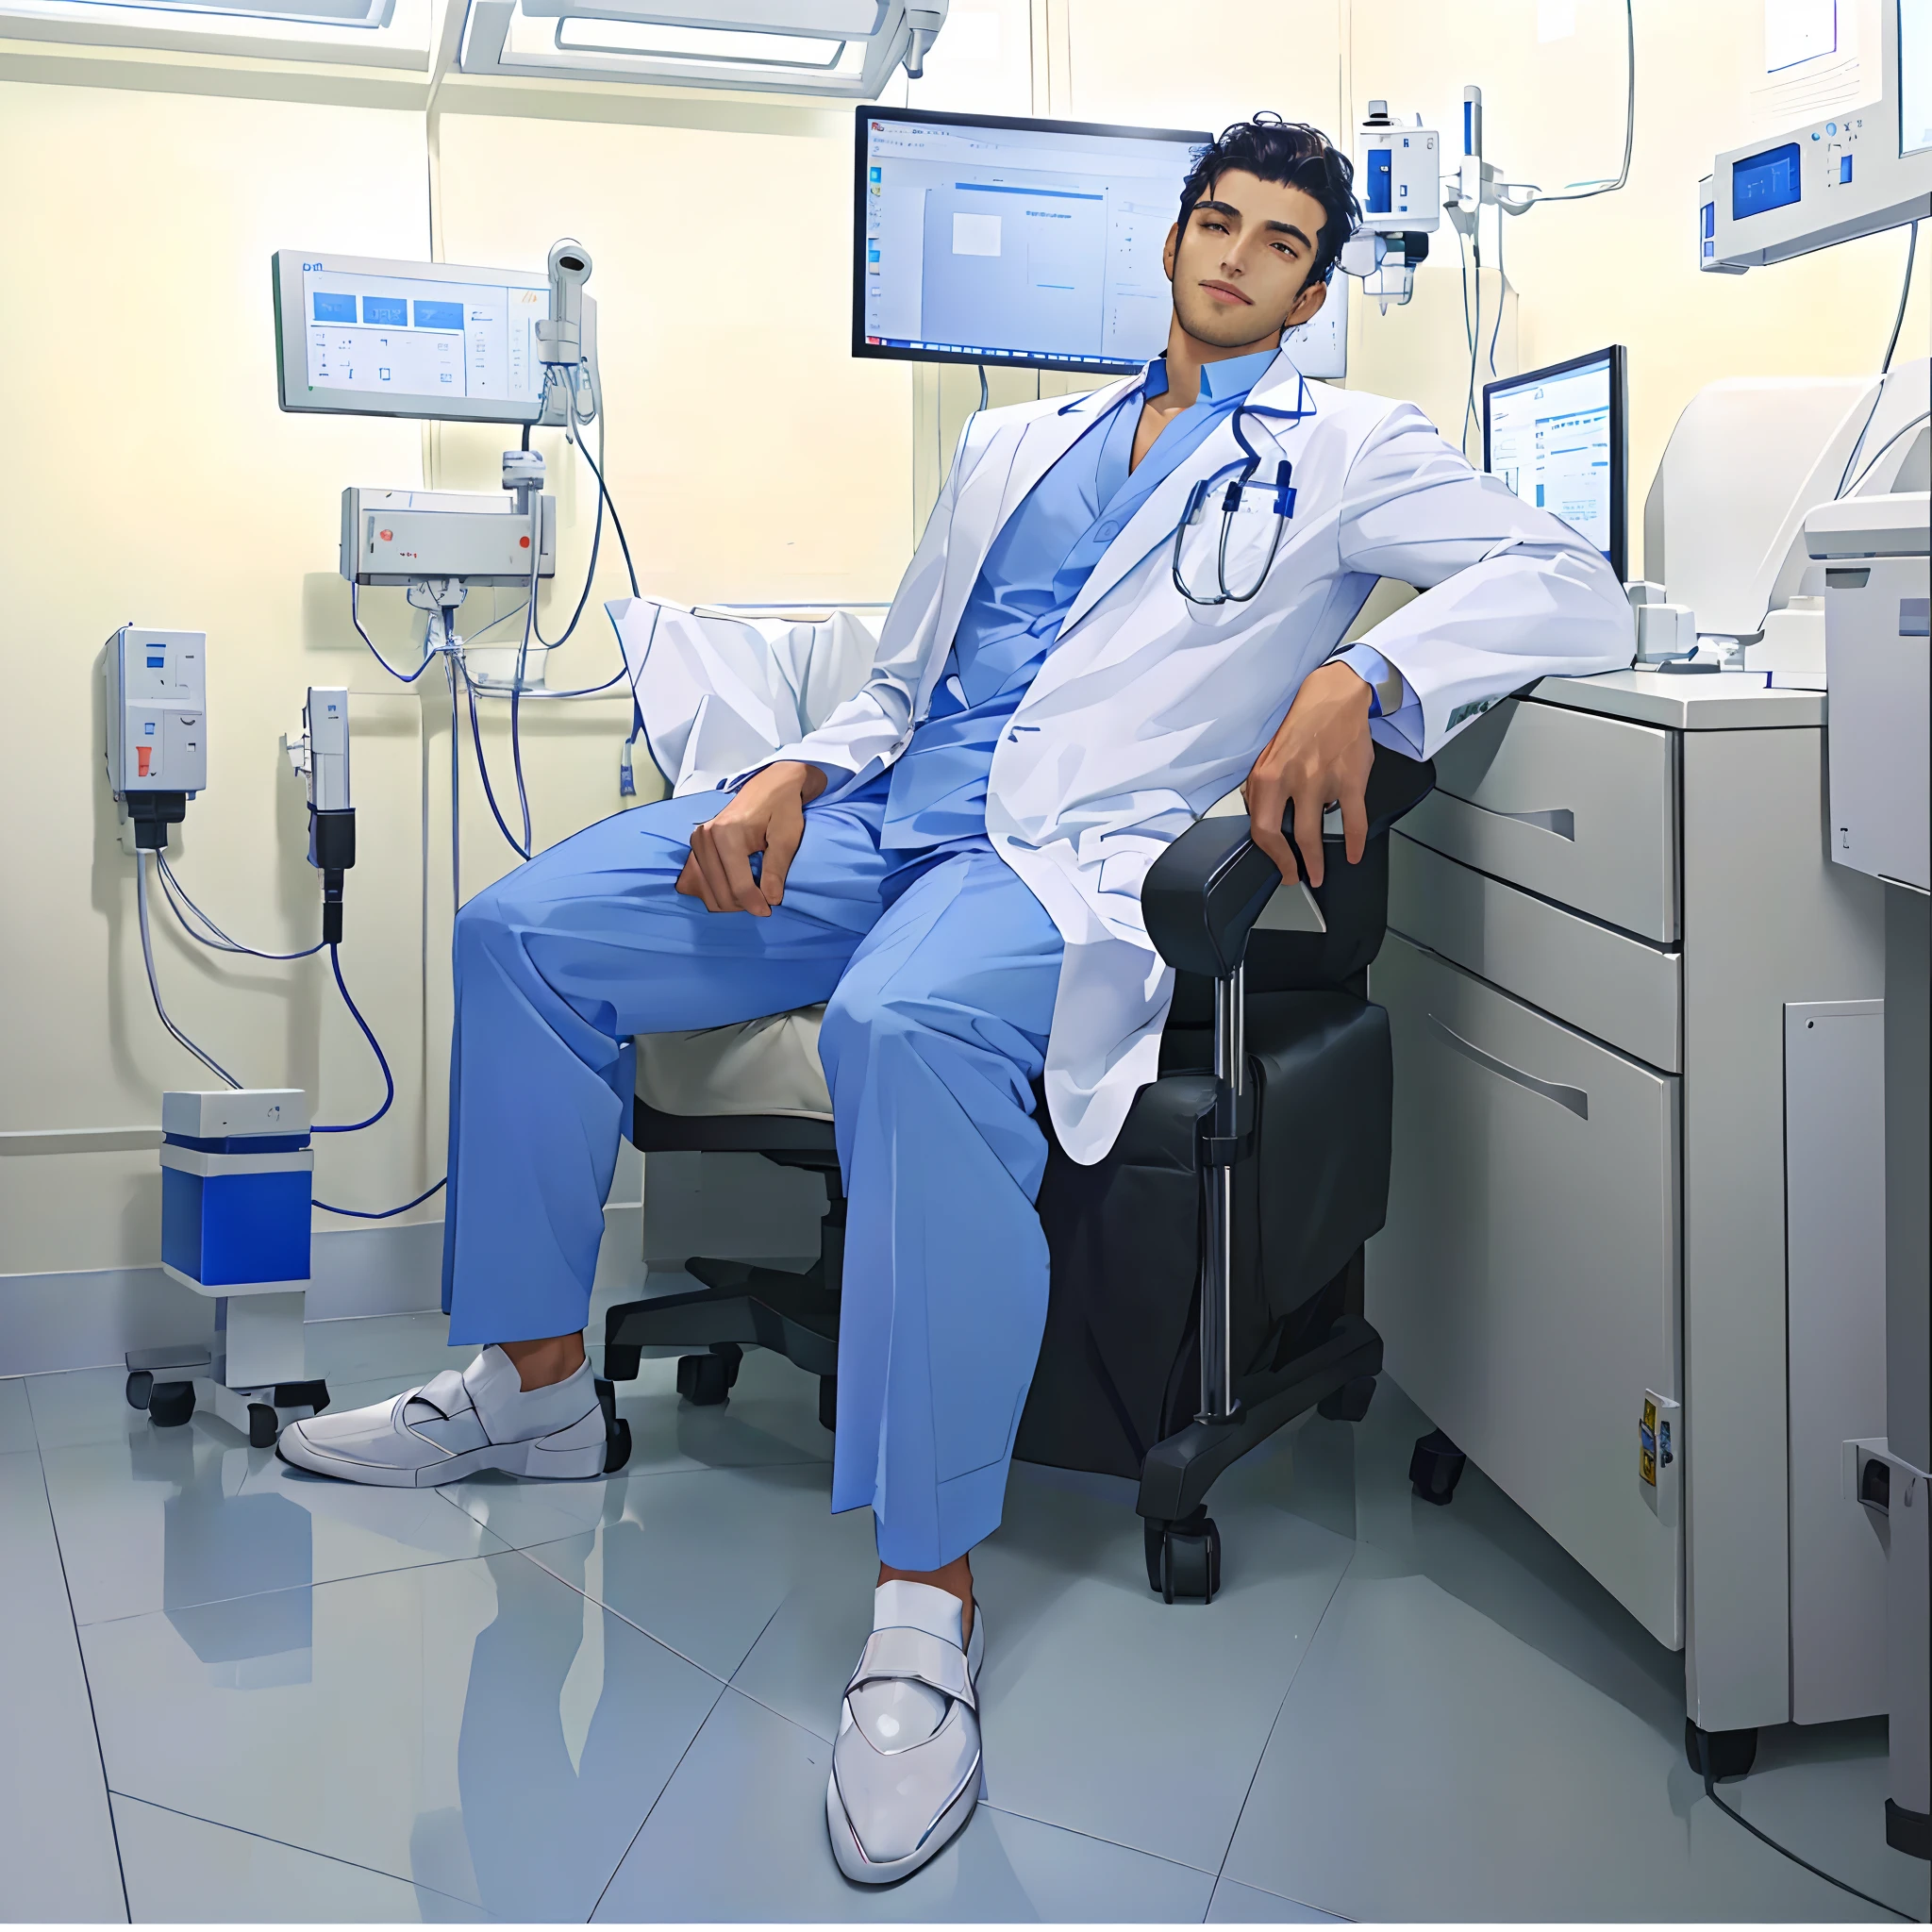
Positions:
(1510, 593)
(866, 733)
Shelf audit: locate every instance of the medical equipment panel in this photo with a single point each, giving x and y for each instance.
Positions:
(156, 711)
(1878, 663)
(1577, 808)
(396, 538)
(1853, 172)
(1534, 1224)
(363, 337)
(1035, 244)
(1557, 437)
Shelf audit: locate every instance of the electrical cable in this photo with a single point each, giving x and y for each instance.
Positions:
(1898, 320)
(356, 618)
(483, 770)
(1710, 1792)
(596, 536)
(383, 1213)
(388, 1085)
(222, 941)
(1905, 429)
(455, 787)
(1502, 284)
(1584, 191)
(569, 403)
(153, 985)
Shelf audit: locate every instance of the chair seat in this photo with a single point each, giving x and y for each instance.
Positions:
(768, 1066)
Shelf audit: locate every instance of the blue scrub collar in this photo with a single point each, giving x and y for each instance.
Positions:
(1221, 382)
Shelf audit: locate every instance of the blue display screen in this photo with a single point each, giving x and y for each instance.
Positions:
(1765, 181)
(439, 315)
(1379, 197)
(335, 307)
(385, 311)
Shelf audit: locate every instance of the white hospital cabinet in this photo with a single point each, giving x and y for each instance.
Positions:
(1638, 1165)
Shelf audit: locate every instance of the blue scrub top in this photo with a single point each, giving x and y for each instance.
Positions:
(1037, 566)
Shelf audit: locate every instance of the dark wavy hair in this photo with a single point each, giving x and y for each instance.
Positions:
(1294, 155)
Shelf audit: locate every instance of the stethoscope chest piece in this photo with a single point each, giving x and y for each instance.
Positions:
(1276, 496)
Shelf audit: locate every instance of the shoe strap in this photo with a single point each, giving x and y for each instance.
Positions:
(902, 1651)
(448, 1393)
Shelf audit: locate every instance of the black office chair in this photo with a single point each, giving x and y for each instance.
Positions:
(1207, 1275)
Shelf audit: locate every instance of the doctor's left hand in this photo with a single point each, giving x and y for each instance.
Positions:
(1321, 754)
(766, 814)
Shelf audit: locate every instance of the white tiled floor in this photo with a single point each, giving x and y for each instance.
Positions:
(234, 1693)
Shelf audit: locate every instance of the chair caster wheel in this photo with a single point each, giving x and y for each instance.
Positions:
(617, 1431)
(705, 1381)
(1349, 1403)
(1184, 1558)
(170, 1403)
(1436, 1468)
(622, 1361)
(828, 1403)
(1732, 1752)
(140, 1387)
(264, 1425)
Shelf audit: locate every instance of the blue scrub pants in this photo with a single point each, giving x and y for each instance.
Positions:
(939, 974)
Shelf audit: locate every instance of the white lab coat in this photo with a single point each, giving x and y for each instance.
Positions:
(1149, 708)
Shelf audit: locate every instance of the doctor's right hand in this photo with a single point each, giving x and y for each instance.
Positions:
(767, 815)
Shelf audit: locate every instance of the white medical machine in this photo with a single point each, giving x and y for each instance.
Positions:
(156, 718)
(1855, 171)
(427, 339)
(1399, 183)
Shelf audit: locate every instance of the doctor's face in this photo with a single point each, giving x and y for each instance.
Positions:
(1239, 271)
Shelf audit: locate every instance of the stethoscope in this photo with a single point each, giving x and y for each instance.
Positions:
(1281, 489)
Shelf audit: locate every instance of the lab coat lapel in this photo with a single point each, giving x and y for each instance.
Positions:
(1153, 522)
(997, 487)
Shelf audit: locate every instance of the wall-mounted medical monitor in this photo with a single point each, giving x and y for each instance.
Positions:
(1031, 244)
(365, 338)
(1555, 437)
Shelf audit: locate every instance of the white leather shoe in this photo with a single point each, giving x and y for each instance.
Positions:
(460, 1424)
(907, 1770)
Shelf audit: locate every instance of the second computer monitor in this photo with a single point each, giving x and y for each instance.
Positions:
(1555, 437)
(1030, 244)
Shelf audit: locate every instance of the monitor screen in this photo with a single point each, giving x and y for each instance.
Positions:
(425, 338)
(1555, 438)
(1034, 243)
(1914, 75)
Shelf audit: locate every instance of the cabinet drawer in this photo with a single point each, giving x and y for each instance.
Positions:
(1527, 1283)
(1579, 808)
(1590, 975)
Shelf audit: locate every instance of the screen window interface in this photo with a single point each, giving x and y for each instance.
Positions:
(1549, 444)
(1007, 242)
(422, 341)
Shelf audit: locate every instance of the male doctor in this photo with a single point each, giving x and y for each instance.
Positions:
(953, 861)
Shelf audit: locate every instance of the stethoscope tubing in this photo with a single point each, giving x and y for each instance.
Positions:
(1283, 506)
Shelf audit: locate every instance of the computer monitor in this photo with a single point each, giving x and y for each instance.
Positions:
(425, 339)
(1033, 244)
(1555, 437)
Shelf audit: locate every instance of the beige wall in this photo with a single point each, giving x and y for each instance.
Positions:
(156, 481)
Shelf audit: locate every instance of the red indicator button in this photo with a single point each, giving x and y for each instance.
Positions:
(523, 542)
(386, 536)
(141, 754)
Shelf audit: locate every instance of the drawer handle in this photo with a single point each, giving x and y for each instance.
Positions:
(1575, 1098)
(1562, 822)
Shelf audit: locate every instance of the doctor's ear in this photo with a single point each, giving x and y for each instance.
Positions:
(1307, 305)
(1168, 247)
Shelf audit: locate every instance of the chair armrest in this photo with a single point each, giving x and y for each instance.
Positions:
(1202, 897)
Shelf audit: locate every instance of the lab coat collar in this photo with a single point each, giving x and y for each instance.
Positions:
(1280, 389)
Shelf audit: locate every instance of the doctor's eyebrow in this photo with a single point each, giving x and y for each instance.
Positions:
(1224, 208)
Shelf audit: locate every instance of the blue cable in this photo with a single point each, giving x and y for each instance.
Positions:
(355, 618)
(382, 1213)
(335, 960)
(482, 766)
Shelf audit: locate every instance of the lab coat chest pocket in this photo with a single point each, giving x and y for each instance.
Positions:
(1226, 553)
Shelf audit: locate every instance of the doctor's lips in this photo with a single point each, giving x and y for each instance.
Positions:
(1227, 292)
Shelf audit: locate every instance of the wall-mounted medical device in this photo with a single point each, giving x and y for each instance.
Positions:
(361, 337)
(1398, 179)
(394, 538)
(156, 718)
(1853, 173)
(847, 48)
